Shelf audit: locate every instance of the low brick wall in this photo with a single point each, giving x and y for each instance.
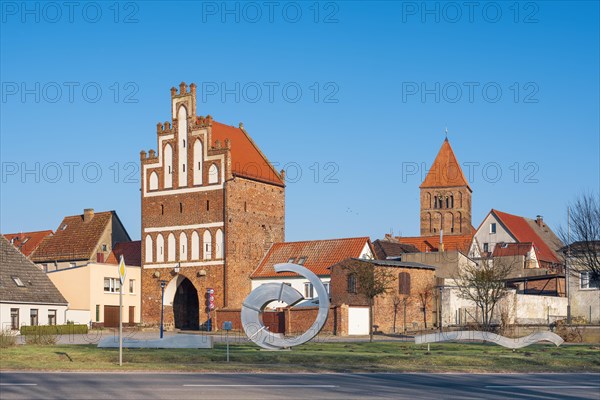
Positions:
(297, 320)
(233, 315)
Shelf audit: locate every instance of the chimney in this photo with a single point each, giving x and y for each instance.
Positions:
(88, 214)
(539, 220)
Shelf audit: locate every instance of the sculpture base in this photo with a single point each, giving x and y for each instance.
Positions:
(181, 341)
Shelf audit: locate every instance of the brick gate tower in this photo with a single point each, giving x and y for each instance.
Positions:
(212, 204)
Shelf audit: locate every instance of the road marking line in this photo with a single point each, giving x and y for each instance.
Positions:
(540, 387)
(280, 386)
(18, 384)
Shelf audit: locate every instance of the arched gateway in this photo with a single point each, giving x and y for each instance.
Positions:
(183, 296)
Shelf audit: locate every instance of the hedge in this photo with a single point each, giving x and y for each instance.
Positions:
(54, 329)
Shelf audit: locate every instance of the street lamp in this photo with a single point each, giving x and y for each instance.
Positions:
(176, 269)
(162, 305)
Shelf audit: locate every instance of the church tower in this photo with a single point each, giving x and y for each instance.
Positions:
(445, 197)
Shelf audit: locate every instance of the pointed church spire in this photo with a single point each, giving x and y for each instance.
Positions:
(445, 170)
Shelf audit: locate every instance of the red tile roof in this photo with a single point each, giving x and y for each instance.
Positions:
(520, 229)
(74, 239)
(511, 249)
(131, 252)
(246, 158)
(27, 242)
(432, 243)
(320, 254)
(445, 170)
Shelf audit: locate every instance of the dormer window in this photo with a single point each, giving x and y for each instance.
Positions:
(63, 227)
(301, 261)
(18, 281)
(291, 259)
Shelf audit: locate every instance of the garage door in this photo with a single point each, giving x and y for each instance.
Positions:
(358, 321)
(111, 316)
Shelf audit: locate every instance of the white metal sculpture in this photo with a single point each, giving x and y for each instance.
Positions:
(515, 343)
(260, 297)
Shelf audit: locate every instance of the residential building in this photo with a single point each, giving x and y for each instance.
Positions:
(80, 239)
(212, 205)
(27, 296)
(93, 289)
(315, 255)
(27, 242)
(529, 245)
(408, 305)
(584, 287)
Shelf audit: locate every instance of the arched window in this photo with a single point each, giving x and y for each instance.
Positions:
(168, 166)
(429, 224)
(440, 201)
(153, 181)
(434, 201)
(171, 247)
(160, 248)
(207, 245)
(460, 199)
(195, 246)
(219, 245)
(447, 202)
(459, 221)
(449, 218)
(351, 284)
(148, 245)
(213, 174)
(451, 201)
(182, 246)
(404, 283)
(162, 209)
(428, 200)
(198, 162)
(182, 132)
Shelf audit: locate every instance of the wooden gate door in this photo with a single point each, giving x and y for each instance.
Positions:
(111, 316)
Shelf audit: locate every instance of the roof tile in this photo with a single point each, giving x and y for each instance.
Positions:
(320, 254)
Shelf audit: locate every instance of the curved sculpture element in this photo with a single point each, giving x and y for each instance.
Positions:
(258, 299)
(516, 343)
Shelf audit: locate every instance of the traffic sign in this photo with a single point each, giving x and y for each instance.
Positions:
(122, 270)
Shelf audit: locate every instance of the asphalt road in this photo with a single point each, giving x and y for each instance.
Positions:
(95, 385)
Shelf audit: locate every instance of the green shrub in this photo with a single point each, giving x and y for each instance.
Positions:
(70, 329)
(7, 339)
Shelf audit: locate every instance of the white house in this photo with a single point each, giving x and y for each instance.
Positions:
(27, 296)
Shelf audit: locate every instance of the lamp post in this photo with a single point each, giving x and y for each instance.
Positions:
(162, 305)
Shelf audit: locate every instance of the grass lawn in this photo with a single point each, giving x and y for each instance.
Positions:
(311, 357)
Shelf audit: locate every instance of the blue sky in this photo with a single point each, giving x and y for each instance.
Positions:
(360, 92)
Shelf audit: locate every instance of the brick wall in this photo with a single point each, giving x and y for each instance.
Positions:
(255, 219)
(383, 315)
(441, 218)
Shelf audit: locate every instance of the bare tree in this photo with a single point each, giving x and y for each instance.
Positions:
(371, 282)
(484, 285)
(396, 301)
(424, 296)
(583, 240)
